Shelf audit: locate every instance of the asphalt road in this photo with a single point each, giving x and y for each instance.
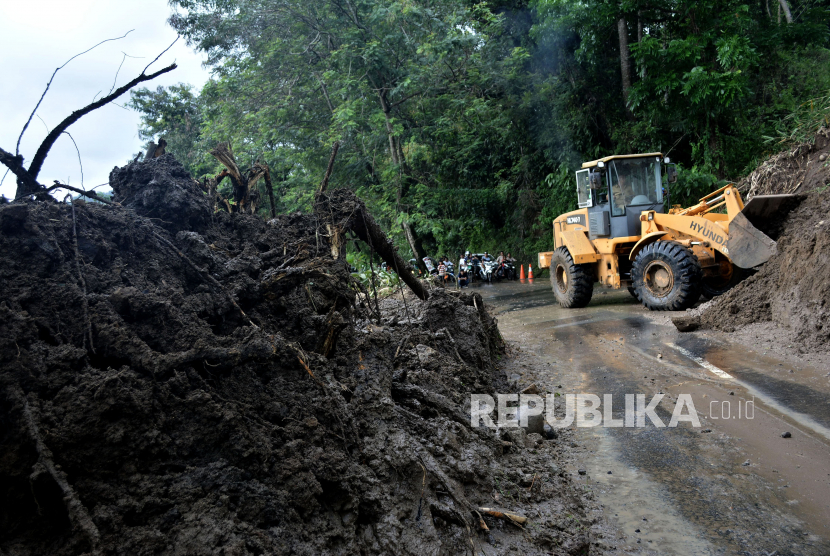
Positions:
(733, 485)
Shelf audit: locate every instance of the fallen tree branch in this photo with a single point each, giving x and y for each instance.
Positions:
(512, 518)
(43, 150)
(342, 210)
(15, 164)
(32, 115)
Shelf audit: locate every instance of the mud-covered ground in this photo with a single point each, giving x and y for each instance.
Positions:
(181, 382)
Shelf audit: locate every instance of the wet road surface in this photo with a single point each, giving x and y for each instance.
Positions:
(732, 485)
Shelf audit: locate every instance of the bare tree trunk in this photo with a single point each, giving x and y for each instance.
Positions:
(786, 7)
(325, 183)
(625, 63)
(410, 238)
(390, 130)
(640, 33)
(639, 27)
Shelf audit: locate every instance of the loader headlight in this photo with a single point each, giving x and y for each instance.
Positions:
(600, 164)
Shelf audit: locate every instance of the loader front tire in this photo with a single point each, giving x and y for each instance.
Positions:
(573, 284)
(666, 277)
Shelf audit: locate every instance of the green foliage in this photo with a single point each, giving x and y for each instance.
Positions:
(174, 112)
(803, 122)
(692, 184)
(364, 272)
(465, 122)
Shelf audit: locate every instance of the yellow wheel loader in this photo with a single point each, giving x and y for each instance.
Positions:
(622, 237)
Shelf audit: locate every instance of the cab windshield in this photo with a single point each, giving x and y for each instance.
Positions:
(634, 182)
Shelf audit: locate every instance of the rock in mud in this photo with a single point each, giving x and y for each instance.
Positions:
(686, 323)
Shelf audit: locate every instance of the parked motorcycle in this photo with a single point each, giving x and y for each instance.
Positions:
(508, 270)
(476, 268)
(489, 271)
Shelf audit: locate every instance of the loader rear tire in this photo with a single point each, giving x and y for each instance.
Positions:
(572, 284)
(667, 277)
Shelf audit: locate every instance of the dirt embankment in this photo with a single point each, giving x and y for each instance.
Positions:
(793, 288)
(181, 382)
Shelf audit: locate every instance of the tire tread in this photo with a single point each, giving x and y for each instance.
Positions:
(688, 276)
(580, 281)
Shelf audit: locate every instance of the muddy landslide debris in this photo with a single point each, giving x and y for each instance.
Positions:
(792, 289)
(227, 391)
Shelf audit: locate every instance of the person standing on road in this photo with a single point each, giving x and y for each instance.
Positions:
(442, 271)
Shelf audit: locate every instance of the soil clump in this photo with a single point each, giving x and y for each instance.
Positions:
(180, 381)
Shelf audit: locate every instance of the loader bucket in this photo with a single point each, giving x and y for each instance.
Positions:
(748, 246)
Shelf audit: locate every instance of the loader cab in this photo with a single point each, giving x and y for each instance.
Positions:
(616, 189)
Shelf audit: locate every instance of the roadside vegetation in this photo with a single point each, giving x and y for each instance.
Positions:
(461, 124)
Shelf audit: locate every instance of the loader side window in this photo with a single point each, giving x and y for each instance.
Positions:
(583, 189)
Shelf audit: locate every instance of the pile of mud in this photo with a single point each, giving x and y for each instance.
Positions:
(792, 289)
(181, 382)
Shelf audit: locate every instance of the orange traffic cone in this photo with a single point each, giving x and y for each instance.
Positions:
(522, 273)
(530, 273)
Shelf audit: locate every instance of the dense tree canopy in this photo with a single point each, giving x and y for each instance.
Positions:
(461, 123)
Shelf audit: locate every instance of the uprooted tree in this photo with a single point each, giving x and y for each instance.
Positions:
(245, 195)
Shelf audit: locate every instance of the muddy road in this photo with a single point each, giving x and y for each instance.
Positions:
(734, 485)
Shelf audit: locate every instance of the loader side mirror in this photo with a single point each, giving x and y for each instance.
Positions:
(595, 179)
(671, 173)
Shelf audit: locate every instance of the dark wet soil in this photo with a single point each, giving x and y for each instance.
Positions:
(181, 382)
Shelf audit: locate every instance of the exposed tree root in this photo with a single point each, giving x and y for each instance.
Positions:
(78, 514)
